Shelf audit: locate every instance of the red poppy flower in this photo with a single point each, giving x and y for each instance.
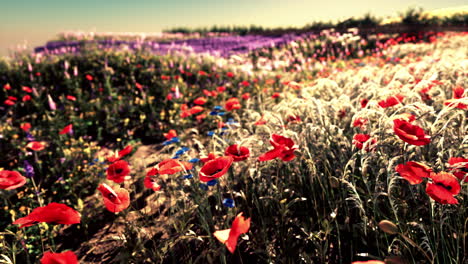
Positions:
(116, 199)
(220, 89)
(294, 119)
(360, 139)
(67, 257)
(10, 180)
(221, 124)
(391, 101)
(171, 134)
(276, 95)
(458, 92)
(207, 93)
(283, 148)
(260, 122)
(25, 127)
(413, 171)
(215, 168)
(233, 103)
(26, 89)
(246, 96)
(229, 237)
(172, 166)
(151, 184)
(342, 113)
(53, 213)
(202, 73)
(459, 167)
(66, 130)
(139, 86)
(9, 102)
(122, 153)
(196, 109)
(211, 156)
(230, 74)
(443, 187)
(118, 171)
(71, 97)
(89, 77)
(457, 103)
(409, 133)
(238, 153)
(26, 98)
(185, 114)
(200, 117)
(36, 145)
(200, 101)
(12, 98)
(7, 86)
(169, 97)
(245, 83)
(360, 122)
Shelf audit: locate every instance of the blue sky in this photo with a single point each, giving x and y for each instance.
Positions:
(36, 21)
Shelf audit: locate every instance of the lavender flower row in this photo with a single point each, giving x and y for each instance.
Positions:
(222, 46)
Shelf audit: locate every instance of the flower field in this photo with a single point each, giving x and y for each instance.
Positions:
(313, 148)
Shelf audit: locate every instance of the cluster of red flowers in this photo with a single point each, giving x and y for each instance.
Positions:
(117, 199)
(442, 187)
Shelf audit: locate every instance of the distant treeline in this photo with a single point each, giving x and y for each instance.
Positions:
(413, 17)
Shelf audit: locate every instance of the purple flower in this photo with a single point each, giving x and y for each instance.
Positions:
(29, 169)
(30, 137)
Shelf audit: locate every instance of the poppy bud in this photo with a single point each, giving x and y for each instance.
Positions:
(388, 227)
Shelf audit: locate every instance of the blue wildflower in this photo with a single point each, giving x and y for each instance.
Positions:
(217, 108)
(212, 182)
(221, 113)
(188, 176)
(203, 186)
(228, 202)
(231, 121)
(210, 133)
(194, 160)
(170, 141)
(185, 149)
(213, 113)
